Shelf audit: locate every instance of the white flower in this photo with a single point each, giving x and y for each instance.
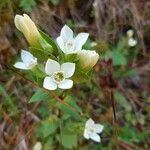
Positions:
(28, 61)
(27, 27)
(132, 42)
(58, 75)
(92, 129)
(37, 146)
(68, 44)
(130, 33)
(87, 59)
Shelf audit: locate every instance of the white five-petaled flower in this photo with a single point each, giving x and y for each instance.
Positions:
(28, 61)
(92, 130)
(58, 75)
(132, 42)
(67, 43)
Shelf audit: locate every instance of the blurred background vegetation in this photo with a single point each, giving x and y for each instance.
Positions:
(123, 68)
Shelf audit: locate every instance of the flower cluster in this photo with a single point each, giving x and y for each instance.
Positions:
(57, 71)
(64, 60)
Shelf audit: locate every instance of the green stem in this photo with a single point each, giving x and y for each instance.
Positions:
(114, 118)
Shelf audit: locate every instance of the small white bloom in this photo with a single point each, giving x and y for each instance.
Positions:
(37, 146)
(58, 75)
(67, 43)
(92, 130)
(130, 33)
(87, 59)
(28, 61)
(132, 42)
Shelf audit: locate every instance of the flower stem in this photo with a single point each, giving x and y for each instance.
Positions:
(114, 117)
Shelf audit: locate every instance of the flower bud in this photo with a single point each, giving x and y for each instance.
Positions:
(28, 28)
(87, 59)
(130, 33)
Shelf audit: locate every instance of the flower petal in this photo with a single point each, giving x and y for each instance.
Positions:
(66, 84)
(132, 42)
(20, 24)
(98, 128)
(26, 56)
(49, 84)
(80, 40)
(60, 43)
(89, 123)
(66, 33)
(95, 137)
(51, 66)
(68, 68)
(21, 65)
(86, 135)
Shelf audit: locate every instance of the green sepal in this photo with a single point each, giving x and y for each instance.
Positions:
(50, 41)
(81, 76)
(71, 58)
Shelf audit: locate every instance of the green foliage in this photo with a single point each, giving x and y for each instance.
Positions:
(133, 135)
(81, 76)
(122, 101)
(27, 5)
(40, 95)
(55, 2)
(47, 128)
(50, 41)
(70, 23)
(69, 141)
(67, 109)
(118, 58)
(8, 100)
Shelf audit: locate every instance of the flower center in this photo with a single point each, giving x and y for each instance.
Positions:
(69, 45)
(31, 63)
(58, 76)
(91, 130)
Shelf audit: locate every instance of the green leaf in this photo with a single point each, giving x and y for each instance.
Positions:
(40, 95)
(118, 59)
(69, 141)
(121, 44)
(42, 54)
(71, 101)
(69, 110)
(48, 145)
(80, 77)
(38, 71)
(49, 127)
(50, 41)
